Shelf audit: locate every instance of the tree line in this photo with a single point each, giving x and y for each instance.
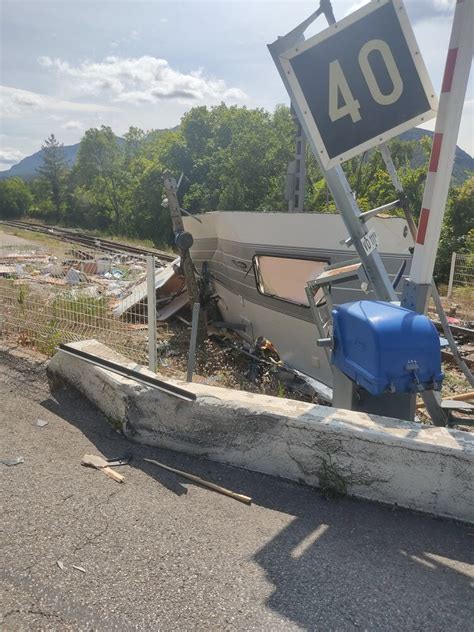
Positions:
(232, 158)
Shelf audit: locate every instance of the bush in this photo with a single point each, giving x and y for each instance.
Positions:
(15, 198)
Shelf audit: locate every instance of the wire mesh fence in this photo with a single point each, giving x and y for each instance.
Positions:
(464, 270)
(458, 300)
(52, 291)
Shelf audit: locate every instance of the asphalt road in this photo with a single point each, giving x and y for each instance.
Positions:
(160, 553)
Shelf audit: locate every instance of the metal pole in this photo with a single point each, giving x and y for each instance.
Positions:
(453, 91)
(192, 343)
(151, 312)
(451, 274)
(449, 336)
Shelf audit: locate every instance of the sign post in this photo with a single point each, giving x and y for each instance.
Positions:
(354, 86)
(335, 177)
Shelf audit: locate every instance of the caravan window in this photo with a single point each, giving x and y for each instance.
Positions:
(286, 277)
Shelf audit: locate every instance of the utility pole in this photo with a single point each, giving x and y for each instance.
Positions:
(296, 171)
(296, 174)
(184, 241)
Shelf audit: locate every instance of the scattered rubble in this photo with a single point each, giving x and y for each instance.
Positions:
(88, 288)
(12, 461)
(120, 278)
(168, 282)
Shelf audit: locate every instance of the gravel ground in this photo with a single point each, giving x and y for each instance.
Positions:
(160, 553)
(7, 239)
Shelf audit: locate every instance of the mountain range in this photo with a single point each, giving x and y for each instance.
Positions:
(463, 162)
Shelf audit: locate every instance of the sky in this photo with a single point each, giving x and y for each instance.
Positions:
(68, 65)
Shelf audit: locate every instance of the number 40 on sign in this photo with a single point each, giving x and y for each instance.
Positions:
(360, 82)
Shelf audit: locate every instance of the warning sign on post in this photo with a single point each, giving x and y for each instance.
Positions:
(369, 242)
(360, 82)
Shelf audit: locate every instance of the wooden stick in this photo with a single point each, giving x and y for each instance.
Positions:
(113, 474)
(99, 463)
(217, 488)
(464, 397)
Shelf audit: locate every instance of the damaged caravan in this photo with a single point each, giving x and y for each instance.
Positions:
(259, 264)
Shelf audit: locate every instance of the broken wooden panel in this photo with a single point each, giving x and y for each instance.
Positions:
(167, 280)
(173, 307)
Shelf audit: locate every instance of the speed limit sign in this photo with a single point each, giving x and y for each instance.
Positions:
(360, 82)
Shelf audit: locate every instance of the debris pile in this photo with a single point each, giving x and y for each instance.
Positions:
(119, 277)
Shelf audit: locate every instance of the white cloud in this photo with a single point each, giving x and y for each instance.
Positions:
(15, 103)
(355, 6)
(443, 5)
(76, 125)
(466, 128)
(141, 80)
(417, 9)
(10, 156)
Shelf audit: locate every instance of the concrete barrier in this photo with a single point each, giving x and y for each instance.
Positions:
(398, 462)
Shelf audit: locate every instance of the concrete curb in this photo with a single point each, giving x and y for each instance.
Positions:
(398, 462)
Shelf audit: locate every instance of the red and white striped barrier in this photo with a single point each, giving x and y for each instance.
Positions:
(453, 91)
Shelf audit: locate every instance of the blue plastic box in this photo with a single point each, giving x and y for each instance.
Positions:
(386, 348)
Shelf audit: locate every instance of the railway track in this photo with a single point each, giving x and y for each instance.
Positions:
(73, 236)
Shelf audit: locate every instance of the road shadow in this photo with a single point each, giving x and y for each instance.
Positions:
(351, 565)
(335, 564)
(70, 405)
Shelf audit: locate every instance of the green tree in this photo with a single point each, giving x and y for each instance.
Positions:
(232, 158)
(458, 227)
(134, 140)
(101, 168)
(150, 219)
(15, 198)
(53, 172)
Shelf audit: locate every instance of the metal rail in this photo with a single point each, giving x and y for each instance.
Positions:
(148, 380)
(73, 236)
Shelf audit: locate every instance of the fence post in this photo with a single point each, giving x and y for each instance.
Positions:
(192, 344)
(151, 312)
(451, 274)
